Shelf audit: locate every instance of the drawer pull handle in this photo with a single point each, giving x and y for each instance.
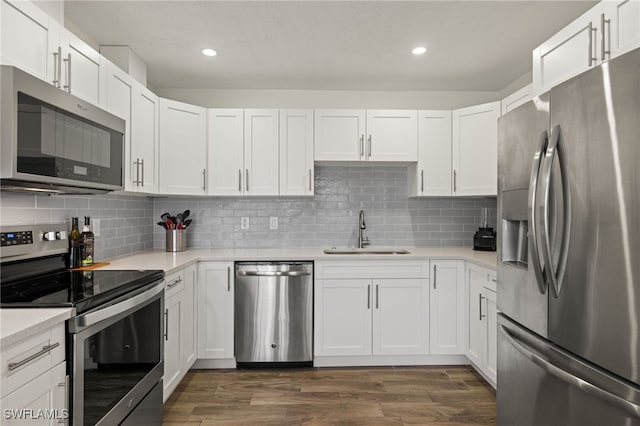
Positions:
(174, 283)
(45, 350)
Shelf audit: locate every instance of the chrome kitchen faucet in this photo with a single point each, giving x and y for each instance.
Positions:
(362, 240)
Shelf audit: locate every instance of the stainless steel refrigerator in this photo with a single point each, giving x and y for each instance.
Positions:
(569, 253)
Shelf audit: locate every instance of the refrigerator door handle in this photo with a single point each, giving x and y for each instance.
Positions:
(619, 401)
(555, 274)
(533, 191)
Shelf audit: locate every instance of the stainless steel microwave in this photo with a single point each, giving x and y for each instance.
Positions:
(54, 142)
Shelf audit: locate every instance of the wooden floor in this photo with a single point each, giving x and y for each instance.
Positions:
(435, 396)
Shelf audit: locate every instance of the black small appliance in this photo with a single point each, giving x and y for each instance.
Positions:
(485, 237)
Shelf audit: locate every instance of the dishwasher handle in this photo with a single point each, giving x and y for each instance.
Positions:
(273, 273)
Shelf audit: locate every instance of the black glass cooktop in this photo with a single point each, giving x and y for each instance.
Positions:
(83, 290)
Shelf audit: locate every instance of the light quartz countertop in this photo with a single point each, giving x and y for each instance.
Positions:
(17, 324)
(171, 262)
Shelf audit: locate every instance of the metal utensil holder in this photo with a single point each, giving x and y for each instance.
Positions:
(176, 240)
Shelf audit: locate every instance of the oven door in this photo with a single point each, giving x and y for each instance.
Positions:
(117, 357)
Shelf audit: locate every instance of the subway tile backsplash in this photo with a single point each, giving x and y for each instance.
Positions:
(330, 218)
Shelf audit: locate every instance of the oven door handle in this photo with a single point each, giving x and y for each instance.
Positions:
(113, 310)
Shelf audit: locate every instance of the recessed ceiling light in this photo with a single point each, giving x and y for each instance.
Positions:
(419, 50)
(209, 52)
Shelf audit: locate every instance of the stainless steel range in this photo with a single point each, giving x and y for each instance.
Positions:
(114, 338)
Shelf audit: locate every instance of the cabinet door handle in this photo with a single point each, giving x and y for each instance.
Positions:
(246, 182)
(435, 275)
(239, 180)
(174, 283)
(603, 49)
(361, 145)
(310, 180)
(65, 384)
(480, 297)
(368, 296)
(422, 180)
(166, 324)
(45, 350)
(369, 139)
(67, 63)
(592, 56)
(455, 181)
(142, 173)
(204, 180)
(57, 67)
(229, 278)
(377, 296)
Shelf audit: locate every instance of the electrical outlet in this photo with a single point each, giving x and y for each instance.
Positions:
(273, 222)
(95, 225)
(244, 222)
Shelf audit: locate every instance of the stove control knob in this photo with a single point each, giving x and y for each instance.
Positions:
(61, 235)
(49, 236)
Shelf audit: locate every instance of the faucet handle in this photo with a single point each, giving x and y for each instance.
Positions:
(366, 242)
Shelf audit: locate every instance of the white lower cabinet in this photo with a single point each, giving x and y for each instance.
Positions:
(215, 310)
(446, 310)
(37, 384)
(482, 344)
(371, 309)
(179, 327)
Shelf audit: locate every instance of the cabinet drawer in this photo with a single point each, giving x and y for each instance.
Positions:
(174, 284)
(31, 357)
(372, 269)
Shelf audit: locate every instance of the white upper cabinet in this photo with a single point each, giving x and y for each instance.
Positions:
(392, 135)
(80, 67)
(183, 148)
(475, 150)
(432, 176)
(339, 135)
(517, 98)
(296, 152)
(261, 159)
(243, 151)
(605, 31)
(144, 140)
(359, 135)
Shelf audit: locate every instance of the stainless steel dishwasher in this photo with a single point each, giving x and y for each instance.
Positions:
(274, 314)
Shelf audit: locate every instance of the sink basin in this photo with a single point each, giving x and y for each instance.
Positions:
(378, 250)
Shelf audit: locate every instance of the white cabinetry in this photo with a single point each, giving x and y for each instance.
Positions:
(215, 311)
(371, 309)
(482, 342)
(243, 152)
(432, 175)
(517, 98)
(183, 148)
(296, 152)
(605, 31)
(447, 307)
(475, 150)
(189, 331)
(359, 135)
(38, 384)
(144, 140)
(81, 67)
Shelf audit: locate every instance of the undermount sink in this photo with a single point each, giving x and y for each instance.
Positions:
(379, 250)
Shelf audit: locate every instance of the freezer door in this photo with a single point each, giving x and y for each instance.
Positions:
(594, 310)
(522, 133)
(541, 384)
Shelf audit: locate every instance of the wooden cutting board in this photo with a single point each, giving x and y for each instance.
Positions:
(92, 267)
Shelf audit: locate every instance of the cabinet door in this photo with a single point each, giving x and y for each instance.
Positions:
(81, 67)
(188, 324)
(261, 152)
(392, 135)
(119, 102)
(446, 322)
(342, 324)
(45, 392)
(226, 151)
(29, 39)
(491, 332)
(296, 152)
(215, 310)
(569, 52)
(475, 150)
(173, 311)
(144, 140)
(400, 317)
(183, 148)
(433, 177)
(622, 33)
(339, 135)
(475, 339)
(516, 99)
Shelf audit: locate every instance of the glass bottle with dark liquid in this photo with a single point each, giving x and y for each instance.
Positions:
(75, 247)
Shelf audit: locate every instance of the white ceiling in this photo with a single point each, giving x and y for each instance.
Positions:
(353, 45)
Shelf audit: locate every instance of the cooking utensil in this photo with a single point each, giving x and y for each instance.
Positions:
(179, 219)
(162, 224)
(164, 216)
(186, 214)
(186, 223)
(169, 223)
